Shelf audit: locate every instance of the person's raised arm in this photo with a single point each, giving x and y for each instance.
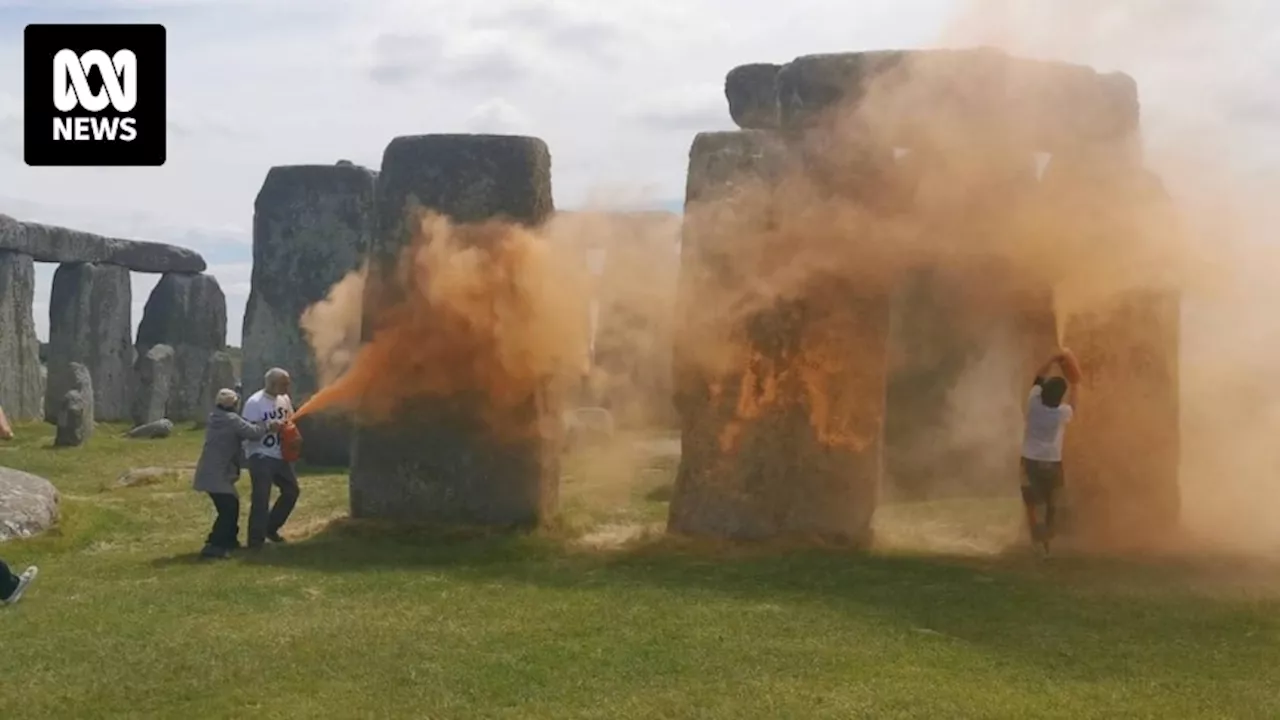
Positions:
(1043, 371)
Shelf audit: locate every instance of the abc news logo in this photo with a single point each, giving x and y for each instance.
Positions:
(107, 105)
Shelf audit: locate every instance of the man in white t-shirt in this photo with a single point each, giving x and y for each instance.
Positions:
(266, 462)
(1047, 418)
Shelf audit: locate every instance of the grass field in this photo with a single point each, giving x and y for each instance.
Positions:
(350, 621)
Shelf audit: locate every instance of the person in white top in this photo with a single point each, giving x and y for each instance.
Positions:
(266, 462)
(1047, 418)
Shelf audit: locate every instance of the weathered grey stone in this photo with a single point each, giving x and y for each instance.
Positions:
(440, 462)
(90, 324)
(75, 412)
(49, 243)
(153, 378)
(931, 97)
(752, 91)
(28, 504)
(19, 350)
(189, 314)
(326, 440)
(220, 372)
(157, 430)
(1123, 450)
(782, 408)
(311, 226)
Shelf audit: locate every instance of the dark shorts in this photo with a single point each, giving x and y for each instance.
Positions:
(1040, 479)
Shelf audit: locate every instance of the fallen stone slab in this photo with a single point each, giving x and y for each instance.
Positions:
(157, 430)
(28, 504)
(51, 243)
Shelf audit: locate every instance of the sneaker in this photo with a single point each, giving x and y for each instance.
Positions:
(213, 552)
(24, 580)
(275, 538)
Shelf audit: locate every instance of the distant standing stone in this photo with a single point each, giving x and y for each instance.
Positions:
(189, 314)
(75, 413)
(89, 323)
(153, 378)
(219, 373)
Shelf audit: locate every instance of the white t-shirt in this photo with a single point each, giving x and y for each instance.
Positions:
(1042, 439)
(259, 408)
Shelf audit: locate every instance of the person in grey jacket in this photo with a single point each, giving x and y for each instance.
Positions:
(219, 469)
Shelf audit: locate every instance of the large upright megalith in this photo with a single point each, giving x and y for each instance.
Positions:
(89, 323)
(438, 461)
(311, 226)
(1123, 451)
(781, 398)
(189, 314)
(20, 392)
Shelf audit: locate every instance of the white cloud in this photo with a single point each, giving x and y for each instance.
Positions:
(616, 89)
(497, 116)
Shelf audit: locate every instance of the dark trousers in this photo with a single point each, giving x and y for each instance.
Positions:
(263, 473)
(8, 581)
(1041, 482)
(226, 527)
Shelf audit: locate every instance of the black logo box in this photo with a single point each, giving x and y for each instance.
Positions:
(41, 43)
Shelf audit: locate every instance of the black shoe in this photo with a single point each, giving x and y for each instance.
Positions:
(213, 552)
(275, 538)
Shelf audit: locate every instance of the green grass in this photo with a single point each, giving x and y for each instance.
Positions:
(356, 621)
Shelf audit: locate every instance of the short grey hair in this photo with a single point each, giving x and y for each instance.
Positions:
(275, 375)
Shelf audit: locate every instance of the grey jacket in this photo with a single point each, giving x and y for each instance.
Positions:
(223, 454)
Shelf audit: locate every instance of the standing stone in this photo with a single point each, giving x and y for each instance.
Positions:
(189, 314)
(75, 411)
(439, 462)
(20, 393)
(1122, 453)
(783, 407)
(153, 379)
(311, 226)
(220, 372)
(90, 323)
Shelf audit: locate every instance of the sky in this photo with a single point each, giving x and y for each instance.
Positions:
(617, 89)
